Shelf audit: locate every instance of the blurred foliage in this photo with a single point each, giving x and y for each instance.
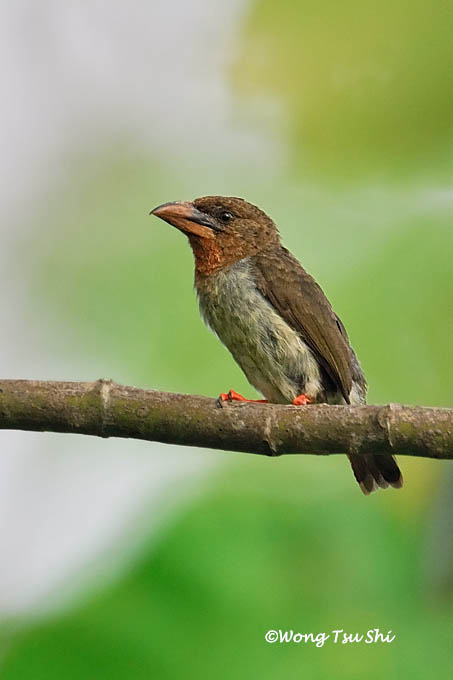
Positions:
(287, 543)
(367, 86)
(273, 544)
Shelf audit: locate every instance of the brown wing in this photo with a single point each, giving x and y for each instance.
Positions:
(301, 302)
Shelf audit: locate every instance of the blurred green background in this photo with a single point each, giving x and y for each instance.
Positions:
(357, 97)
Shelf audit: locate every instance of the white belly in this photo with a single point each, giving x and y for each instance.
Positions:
(272, 355)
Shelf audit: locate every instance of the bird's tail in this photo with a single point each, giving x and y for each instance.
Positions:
(373, 471)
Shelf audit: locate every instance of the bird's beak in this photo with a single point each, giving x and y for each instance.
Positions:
(185, 216)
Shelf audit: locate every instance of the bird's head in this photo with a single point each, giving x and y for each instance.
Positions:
(221, 229)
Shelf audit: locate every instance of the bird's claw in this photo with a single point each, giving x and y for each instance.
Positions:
(231, 395)
(302, 400)
(220, 399)
(235, 396)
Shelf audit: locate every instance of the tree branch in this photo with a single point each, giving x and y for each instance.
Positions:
(106, 409)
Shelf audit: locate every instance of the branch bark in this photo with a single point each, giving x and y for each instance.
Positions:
(106, 409)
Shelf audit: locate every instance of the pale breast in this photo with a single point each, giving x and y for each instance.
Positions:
(272, 355)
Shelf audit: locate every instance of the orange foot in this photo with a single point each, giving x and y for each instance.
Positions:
(235, 396)
(302, 400)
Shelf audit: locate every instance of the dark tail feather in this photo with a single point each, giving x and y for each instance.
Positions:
(373, 471)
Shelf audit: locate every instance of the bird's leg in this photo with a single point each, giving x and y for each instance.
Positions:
(302, 400)
(235, 396)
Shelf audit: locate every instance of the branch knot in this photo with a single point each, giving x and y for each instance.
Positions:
(105, 385)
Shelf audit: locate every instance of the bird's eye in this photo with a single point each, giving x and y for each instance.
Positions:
(225, 216)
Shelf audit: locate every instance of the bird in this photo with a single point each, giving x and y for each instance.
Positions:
(272, 316)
